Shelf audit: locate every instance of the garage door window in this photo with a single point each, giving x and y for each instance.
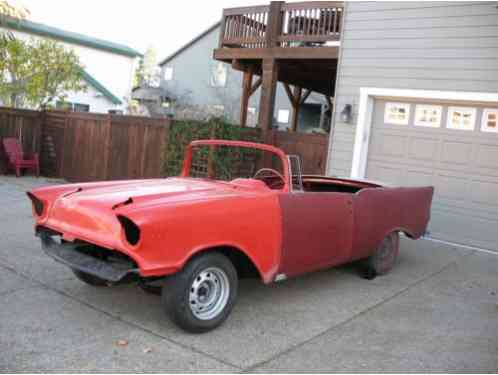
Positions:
(490, 120)
(428, 115)
(461, 118)
(397, 113)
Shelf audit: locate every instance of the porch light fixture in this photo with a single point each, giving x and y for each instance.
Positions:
(346, 113)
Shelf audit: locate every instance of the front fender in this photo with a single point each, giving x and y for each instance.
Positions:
(172, 234)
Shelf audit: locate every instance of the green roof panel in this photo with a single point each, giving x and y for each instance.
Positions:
(71, 37)
(99, 87)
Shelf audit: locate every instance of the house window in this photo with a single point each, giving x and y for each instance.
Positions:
(283, 116)
(168, 73)
(490, 120)
(72, 107)
(428, 115)
(397, 113)
(461, 118)
(218, 75)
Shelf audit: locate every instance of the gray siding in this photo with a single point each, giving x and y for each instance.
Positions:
(191, 81)
(412, 45)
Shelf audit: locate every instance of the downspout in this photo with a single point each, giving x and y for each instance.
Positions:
(332, 121)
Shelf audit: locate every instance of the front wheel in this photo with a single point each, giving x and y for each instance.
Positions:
(201, 296)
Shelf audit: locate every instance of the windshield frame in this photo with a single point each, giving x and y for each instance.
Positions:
(187, 161)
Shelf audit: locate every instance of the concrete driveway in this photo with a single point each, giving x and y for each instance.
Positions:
(437, 311)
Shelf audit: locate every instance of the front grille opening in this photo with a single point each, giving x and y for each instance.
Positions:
(116, 259)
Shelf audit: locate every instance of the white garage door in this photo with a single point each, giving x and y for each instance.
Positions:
(452, 146)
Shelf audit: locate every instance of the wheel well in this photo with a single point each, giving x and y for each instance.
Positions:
(243, 264)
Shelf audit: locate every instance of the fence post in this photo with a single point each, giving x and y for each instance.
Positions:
(210, 166)
(107, 151)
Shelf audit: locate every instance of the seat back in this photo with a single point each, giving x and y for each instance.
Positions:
(12, 149)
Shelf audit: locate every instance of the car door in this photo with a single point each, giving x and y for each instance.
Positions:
(316, 230)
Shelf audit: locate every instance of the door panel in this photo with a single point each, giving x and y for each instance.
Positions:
(316, 230)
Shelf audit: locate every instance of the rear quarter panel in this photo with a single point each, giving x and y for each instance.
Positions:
(380, 211)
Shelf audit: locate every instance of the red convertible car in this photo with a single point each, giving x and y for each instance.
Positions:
(198, 235)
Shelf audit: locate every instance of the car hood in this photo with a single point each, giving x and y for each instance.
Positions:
(87, 211)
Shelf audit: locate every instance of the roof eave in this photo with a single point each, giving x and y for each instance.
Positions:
(189, 44)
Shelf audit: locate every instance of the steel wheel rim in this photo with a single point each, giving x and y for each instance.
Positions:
(209, 293)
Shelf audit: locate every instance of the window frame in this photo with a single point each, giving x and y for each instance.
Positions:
(419, 122)
(449, 115)
(484, 121)
(389, 121)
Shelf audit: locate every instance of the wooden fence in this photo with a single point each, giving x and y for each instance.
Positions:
(24, 125)
(88, 146)
(312, 148)
(94, 147)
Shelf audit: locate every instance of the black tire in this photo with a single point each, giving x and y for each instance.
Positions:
(90, 279)
(178, 292)
(384, 258)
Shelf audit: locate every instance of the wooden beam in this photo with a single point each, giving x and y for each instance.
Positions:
(305, 96)
(289, 93)
(255, 86)
(329, 101)
(304, 53)
(268, 91)
(244, 102)
(296, 107)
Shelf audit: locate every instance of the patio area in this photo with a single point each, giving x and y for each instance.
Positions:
(437, 311)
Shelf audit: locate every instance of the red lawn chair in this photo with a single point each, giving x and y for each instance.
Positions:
(17, 159)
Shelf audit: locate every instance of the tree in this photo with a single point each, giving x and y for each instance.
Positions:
(37, 72)
(13, 11)
(10, 11)
(147, 72)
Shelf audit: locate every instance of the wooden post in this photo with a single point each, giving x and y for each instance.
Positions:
(268, 90)
(246, 94)
(222, 30)
(296, 107)
(274, 27)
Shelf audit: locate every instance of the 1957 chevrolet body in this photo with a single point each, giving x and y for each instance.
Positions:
(199, 235)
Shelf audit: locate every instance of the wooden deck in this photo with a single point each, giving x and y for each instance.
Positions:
(296, 44)
(287, 25)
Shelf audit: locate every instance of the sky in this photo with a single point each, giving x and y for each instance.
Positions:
(162, 24)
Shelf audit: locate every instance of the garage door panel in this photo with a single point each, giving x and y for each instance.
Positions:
(389, 145)
(386, 174)
(487, 156)
(454, 227)
(485, 192)
(419, 178)
(450, 187)
(456, 152)
(423, 148)
(461, 165)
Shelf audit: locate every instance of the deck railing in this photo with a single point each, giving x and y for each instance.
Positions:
(308, 24)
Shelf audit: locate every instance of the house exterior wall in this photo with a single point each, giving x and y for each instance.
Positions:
(451, 46)
(112, 70)
(191, 83)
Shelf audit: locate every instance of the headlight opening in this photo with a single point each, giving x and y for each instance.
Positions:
(131, 230)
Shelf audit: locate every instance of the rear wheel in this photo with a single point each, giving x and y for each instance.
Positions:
(201, 296)
(90, 279)
(384, 258)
